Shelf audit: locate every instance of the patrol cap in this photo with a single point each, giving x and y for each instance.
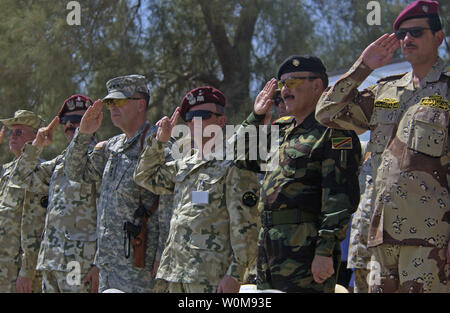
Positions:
(200, 95)
(24, 117)
(298, 63)
(417, 9)
(124, 87)
(75, 103)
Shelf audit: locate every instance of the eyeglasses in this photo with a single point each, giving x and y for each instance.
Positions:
(118, 102)
(74, 119)
(200, 113)
(293, 82)
(416, 32)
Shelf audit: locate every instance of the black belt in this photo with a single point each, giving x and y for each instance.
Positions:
(293, 216)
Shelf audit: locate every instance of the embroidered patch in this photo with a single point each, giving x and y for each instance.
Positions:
(100, 145)
(435, 101)
(341, 143)
(387, 103)
(249, 198)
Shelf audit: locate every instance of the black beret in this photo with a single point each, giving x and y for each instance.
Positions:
(299, 63)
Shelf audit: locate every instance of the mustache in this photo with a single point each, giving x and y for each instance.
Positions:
(409, 45)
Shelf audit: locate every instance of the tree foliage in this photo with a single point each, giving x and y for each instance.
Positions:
(234, 45)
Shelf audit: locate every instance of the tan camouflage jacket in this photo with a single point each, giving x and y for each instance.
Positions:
(21, 223)
(71, 220)
(410, 150)
(210, 237)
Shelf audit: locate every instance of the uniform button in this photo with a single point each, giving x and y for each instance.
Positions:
(391, 277)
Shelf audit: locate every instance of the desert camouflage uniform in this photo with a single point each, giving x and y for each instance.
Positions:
(306, 202)
(210, 239)
(410, 157)
(112, 163)
(70, 223)
(21, 223)
(358, 253)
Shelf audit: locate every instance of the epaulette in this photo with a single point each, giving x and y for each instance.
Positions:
(284, 120)
(392, 77)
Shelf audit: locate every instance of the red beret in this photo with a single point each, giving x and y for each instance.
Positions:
(75, 103)
(420, 8)
(201, 95)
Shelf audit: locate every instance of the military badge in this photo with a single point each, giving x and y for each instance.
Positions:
(435, 101)
(425, 8)
(339, 143)
(249, 198)
(295, 62)
(44, 202)
(387, 103)
(100, 145)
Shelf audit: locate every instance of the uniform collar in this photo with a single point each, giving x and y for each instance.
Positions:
(433, 75)
(308, 122)
(136, 135)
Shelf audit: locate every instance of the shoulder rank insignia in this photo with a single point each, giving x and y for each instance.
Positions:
(435, 101)
(249, 198)
(100, 145)
(283, 120)
(392, 77)
(340, 143)
(387, 103)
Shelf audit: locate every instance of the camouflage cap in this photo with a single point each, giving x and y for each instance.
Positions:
(125, 86)
(24, 117)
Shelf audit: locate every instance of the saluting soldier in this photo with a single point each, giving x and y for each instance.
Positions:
(307, 200)
(21, 213)
(70, 238)
(125, 210)
(408, 116)
(213, 229)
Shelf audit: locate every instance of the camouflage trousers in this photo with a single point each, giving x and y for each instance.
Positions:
(361, 285)
(409, 269)
(285, 255)
(173, 287)
(59, 282)
(8, 275)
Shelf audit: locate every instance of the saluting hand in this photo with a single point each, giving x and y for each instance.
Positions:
(92, 118)
(44, 136)
(2, 133)
(379, 53)
(264, 101)
(165, 126)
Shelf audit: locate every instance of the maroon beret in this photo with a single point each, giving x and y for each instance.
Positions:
(201, 95)
(75, 103)
(420, 8)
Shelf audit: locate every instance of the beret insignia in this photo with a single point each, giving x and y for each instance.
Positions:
(425, 8)
(249, 198)
(295, 62)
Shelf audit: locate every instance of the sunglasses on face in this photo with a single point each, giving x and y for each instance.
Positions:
(415, 32)
(74, 119)
(117, 102)
(200, 113)
(293, 82)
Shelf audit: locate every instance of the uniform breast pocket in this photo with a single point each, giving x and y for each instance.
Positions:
(293, 160)
(429, 132)
(382, 125)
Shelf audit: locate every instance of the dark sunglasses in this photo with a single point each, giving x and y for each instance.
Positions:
(200, 113)
(416, 32)
(74, 119)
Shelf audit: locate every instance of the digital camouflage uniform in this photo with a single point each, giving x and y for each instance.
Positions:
(207, 239)
(70, 223)
(112, 164)
(410, 157)
(21, 223)
(358, 253)
(306, 203)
